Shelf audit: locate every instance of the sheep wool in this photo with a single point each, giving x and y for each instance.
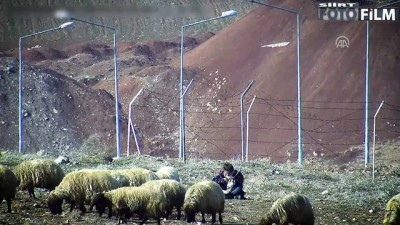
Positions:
(168, 172)
(79, 187)
(8, 186)
(138, 176)
(392, 211)
(292, 208)
(38, 173)
(204, 197)
(128, 200)
(172, 191)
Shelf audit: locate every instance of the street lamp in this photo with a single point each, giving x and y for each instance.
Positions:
(66, 15)
(299, 120)
(182, 92)
(21, 118)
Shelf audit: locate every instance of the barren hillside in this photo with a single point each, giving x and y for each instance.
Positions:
(332, 82)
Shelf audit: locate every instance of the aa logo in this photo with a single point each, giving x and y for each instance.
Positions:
(342, 42)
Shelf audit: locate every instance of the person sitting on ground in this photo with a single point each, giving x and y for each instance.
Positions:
(231, 182)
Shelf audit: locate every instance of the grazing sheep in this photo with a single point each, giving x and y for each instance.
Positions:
(79, 187)
(168, 172)
(173, 191)
(8, 186)
(392, 211)
(138, 176)
(204, 197)
(38, 173)
(129, 200)
(120, 177)
(292, 208)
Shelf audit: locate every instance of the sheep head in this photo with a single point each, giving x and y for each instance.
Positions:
(392, 213)
(54, 203)
(101, 203)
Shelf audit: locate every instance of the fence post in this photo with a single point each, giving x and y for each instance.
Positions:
(183, 124)
(373, 144)
(130, 126)
(247, 127)
(241, 116)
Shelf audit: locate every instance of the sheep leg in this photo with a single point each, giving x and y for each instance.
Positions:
(143, 221)
(220, 217)
(167, 213)
(179, 213)
(203, 220)
(213, 220)
(31, 192)
(72, 206)
(82, 208)
(109, 212)
(8, 199)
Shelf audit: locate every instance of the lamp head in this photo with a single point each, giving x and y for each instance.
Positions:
(229, 13)
(67, 24)
(62, 14)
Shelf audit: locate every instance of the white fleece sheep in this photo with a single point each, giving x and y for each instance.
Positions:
(79, 187)
(204, 197)
(38, 173)
(138, 176)
(168, 172)
(290, 209)
(129, 200)
(172, 191)
(8, 186)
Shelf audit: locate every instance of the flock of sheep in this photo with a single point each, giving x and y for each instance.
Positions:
(145, 194)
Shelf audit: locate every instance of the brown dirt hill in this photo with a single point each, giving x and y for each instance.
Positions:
(59, 112)
(141, 64)
(332, 82)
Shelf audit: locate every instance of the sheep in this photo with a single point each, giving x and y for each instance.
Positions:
(120, 177)
(204, 197)
(168, 172)
(173, 191)
(128, 200)
(79, 187)
(138, 176)
(392, 211)
(38, 173)
(292, 208)
(8, 186)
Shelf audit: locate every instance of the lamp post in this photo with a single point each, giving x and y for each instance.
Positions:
(366, 122)
(299, 120)
(66, 15)
(21, 118)
(182, 104)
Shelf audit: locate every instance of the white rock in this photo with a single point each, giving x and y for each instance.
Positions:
(324, 192)
(61, 160)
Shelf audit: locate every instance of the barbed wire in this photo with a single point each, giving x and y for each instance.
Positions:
(208, 122)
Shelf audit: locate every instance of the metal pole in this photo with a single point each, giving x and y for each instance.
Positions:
(182, 103)
(181, 110)
(184, 124)
(242, 115)
(130, 125)
(367, 98)
(247, 128)
(299, 120)
(20, 121)
(117, 122)
(20, 86)
(373, 144)
(187, 88)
